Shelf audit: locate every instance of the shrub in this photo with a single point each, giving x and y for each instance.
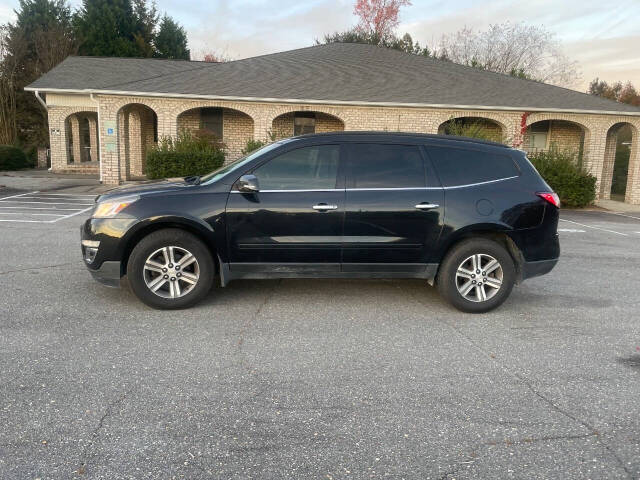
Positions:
(565, 175)
(253, 145)
(473, 129)
(13, 158)
(188, 154)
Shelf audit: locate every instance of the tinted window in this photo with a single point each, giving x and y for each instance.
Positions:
(306, 168)
(459, 166)
(386, 166)
(304, 123)
(211, 119)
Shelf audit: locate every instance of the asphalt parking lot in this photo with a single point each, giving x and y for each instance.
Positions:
(322, 379)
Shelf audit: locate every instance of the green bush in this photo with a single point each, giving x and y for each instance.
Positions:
(188, 154)
(253, 145)
(564, 173)
(472, 129)
(13, 158)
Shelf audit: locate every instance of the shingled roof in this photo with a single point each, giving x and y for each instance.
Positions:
(333, 73)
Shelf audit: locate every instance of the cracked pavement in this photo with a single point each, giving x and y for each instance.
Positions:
(323, 379)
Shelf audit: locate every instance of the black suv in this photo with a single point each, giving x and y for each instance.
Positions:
(469, 216)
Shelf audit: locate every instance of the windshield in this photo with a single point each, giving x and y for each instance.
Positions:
(222, 171)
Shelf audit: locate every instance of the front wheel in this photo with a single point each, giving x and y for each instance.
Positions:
(170, 269)
(477, 275)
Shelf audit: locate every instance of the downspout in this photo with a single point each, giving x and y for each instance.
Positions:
(99, 130)
(42, 102)
(45, 106)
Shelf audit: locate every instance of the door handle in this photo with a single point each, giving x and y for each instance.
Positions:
(427, 206)
(323, 206)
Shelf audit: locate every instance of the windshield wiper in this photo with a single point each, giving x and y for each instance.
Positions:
(193, 179)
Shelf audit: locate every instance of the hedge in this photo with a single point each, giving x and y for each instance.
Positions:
(566, 176)
(188, 154)
(13, 158)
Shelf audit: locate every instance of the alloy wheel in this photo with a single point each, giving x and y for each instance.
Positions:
(171, 272)
(479, 277)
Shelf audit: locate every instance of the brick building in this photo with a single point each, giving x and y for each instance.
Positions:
(104, 113)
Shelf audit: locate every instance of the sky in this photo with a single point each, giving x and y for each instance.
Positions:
(604, 37)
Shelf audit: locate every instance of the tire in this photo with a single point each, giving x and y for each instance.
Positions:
(470, 297)
(163, 275)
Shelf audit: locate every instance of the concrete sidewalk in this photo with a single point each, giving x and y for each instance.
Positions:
(619, 207)
(44, 180)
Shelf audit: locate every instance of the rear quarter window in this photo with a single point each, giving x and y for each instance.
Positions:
(461, 166)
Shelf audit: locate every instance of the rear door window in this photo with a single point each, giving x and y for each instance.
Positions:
(374, 165)
(461, 166)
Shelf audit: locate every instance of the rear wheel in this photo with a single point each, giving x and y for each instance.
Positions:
(477, 275)
(170, 269)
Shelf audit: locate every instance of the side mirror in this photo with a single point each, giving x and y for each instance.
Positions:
(248, 184)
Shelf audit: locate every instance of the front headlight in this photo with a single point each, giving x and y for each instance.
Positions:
(110, 209)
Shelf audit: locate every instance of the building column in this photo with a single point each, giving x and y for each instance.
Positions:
(135, 143)
(58, 140)
(123, 144)
(74, 123)
(632, 194)
(595, 142)
(108, 140)
(262, 126)
(608, 164)
(167, 124)
(93, 137)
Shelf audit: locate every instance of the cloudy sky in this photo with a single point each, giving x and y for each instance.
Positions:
(604, 37)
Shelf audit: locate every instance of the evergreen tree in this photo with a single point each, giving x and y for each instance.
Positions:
(107, 28)
(171, 41)
(146, 20)
(39, 39)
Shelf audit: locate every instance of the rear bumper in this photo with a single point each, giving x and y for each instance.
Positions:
(537, 268)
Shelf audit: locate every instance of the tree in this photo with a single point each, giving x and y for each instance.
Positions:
(145, 22)
(171, 41)
(602, 89)
(404, 44)
(522, 50)
(41, 37)
(378, 16)
(616, 91)
(629, 95)
(107, 28)
(8, 71)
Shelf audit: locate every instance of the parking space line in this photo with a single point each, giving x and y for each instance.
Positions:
(39, 197)
(74, 214)
(34, 214)
(623, 215)
(42, 204)
(43, 208)
(596, 228)
(46, 203)
(68, 194)
(28, 221)
(18, 195)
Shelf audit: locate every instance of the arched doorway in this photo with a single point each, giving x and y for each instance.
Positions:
(291, 124)
(545, 135)
(474, 127)
(137, 133)
(620, 150)
(81, 134)
(231, 127)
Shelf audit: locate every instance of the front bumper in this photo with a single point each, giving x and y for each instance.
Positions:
(97, 254)
(108, 274)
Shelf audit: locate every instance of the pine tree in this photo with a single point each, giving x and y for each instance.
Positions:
(171, 41)
(107, 28)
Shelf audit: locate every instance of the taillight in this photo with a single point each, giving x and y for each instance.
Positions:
(550, 197)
